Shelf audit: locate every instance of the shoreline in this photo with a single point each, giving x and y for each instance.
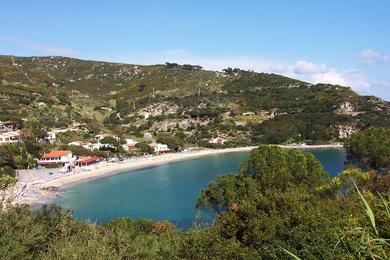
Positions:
(37, 193)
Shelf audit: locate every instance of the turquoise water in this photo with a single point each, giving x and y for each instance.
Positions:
(166, 192)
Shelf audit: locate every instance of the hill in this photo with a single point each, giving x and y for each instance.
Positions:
(194, 104)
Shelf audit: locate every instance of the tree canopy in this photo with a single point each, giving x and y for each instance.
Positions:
(371, 145)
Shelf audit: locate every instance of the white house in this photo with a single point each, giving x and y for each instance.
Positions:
(10, 137)
(160, 148)
(130, 144)
(51, 136)
(77, 143)
(101, 136)
(248, 114)
(93, 146)
(64, 158)
(9, 126)
(90, 146)
(217, 140)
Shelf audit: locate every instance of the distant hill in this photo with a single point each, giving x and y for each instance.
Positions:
(242, 106)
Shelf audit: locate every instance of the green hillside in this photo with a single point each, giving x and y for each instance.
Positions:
(59, 91)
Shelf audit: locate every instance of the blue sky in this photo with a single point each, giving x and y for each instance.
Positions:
(340, 42)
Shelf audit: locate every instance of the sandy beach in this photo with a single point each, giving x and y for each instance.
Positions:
(41, 191)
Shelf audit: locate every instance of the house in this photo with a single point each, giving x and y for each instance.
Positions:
(217, 140)
(77, 143)
(64, 158)
(248, 114)
(51, 136)
(85, 161)
(160, 148)
(101, 136)
(10, 137)
(90, 146)
(93, 146)
(129, 145)
(10, 125)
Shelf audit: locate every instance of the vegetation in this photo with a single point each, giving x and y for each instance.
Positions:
(50, 92)
(173, 143)
(144, 148)
(371, 146)
(280, 201)
(16, 156)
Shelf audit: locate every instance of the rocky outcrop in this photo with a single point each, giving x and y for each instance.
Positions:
(346, 130)
(158, 109)
(346, 108)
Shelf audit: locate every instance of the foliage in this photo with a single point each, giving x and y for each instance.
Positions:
(109, 140)
(144, 148)
(15, 156)
(77, 150)
(277, 205)
(6, 180)
(259, 216)
(57, 91)
(371, 145)
(173, 143)
(368, 242)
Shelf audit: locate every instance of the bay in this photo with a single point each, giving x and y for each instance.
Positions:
(165, 192)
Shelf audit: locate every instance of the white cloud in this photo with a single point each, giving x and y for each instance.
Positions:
(370, 56)
(307, 67)
(44, 48)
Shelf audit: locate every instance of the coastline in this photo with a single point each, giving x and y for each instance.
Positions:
(40, 192)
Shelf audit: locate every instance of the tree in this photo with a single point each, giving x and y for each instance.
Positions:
(372, 146)
(112, 142)
(144, 148)
(273, 203)
(94, 126)
(173, 143)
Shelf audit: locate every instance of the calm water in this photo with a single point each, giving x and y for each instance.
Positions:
(166, 192)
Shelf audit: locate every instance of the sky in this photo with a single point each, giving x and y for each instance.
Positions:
(339, 42)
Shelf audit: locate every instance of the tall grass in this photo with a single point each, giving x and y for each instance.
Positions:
(365, 242)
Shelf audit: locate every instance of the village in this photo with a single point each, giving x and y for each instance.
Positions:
(78, 148)
(101, 148)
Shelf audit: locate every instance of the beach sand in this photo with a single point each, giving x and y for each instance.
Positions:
(39, 192)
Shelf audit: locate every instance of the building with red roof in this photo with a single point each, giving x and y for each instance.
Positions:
(85, 161)
(62, 158)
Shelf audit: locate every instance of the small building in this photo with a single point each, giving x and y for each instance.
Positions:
(10, 137)
(51, 136)
(217, 140)
(248, 114)
(160, 148)
(64, 158)
(93, 146)
(129, 145)
(10, 126)
(85, 161)
(77, 143)
(101, 136)
(89, 146)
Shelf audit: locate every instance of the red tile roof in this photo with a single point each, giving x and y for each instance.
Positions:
(89, 159)
(55, 154)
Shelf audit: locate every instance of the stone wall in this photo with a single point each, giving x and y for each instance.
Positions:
(38, 174)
